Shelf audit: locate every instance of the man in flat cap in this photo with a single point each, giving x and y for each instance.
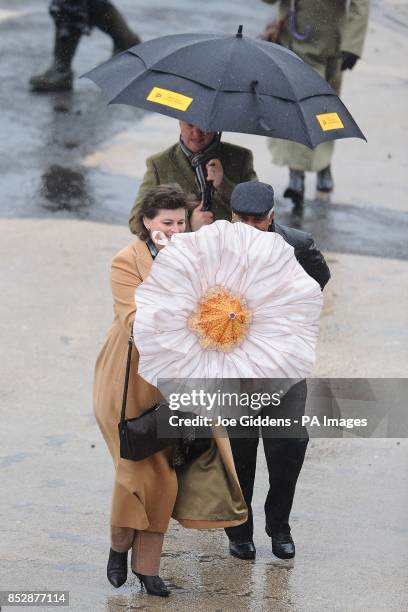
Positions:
(253, 203)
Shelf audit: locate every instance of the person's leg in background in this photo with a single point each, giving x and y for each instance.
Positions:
(72, 19)
(284, 458)
(324, 179)
(70, 22)
(105, 16)
(299, 158)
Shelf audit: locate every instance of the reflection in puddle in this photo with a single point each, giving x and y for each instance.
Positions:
(64, 189)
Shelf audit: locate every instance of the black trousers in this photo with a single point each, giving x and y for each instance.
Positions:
(284, 458)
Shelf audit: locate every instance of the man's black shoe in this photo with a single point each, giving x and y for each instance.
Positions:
(283, 545)
(242, 550)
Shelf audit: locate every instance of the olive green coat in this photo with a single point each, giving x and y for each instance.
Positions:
(337, 25)
(147, 493)
(172, 166)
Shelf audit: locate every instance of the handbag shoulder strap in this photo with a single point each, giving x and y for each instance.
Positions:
(125, 387)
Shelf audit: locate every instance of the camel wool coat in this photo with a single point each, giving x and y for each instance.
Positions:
(146, 493)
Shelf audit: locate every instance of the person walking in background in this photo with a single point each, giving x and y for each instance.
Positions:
(201, 165)
(329, 36)
(72, 19)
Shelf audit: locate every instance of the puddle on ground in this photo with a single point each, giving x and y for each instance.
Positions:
(64, 189)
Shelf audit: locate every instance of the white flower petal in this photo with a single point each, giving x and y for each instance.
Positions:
(261, 268)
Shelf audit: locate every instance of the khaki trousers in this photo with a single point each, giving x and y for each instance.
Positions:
(146, 548)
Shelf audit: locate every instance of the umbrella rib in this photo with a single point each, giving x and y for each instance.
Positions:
(210, 114)
(278, 68)
(150, 70)
(302, 118)
(227, 63)
(180, 76)
(182, 47)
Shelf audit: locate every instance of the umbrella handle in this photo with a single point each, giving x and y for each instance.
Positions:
(207, 192)
(293, 28)
(207, 206)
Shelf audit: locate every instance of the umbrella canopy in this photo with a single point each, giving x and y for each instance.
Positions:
(228, 83)
(227, 301)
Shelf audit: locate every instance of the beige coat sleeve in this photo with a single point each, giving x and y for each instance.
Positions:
(150, 179)
(125, 278)
(355, 27)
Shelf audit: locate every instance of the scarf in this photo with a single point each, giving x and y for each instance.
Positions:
(198, 162)
(152, 247)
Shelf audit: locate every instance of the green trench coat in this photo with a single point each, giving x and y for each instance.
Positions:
(337, 25)
(172, 166)
(147, 493)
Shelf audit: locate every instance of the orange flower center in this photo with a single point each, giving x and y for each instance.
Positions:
(221, 320)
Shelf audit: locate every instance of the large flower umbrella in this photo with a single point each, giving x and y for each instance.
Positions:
(228, 83)
(227, 301)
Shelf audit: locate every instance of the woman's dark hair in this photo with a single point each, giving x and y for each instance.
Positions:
(169, 196)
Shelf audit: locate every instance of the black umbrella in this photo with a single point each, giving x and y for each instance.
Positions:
(228, 83)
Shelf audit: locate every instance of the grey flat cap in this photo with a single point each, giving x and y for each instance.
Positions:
(252, 198)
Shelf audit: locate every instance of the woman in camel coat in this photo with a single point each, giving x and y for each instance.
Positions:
(148, 492)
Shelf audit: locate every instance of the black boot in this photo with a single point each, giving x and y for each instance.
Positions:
(117, 568)
(154, 585)
(324, 184)
(59, 76)
(107, 18)
(295, 191)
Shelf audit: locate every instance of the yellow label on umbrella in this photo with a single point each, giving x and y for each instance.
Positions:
(330, 121)
(169, 98)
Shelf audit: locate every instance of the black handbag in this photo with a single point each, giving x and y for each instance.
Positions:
(139, 437)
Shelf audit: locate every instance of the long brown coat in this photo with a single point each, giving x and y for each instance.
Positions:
(147, 493)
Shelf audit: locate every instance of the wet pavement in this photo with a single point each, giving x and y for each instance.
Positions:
(349, 517)
(70, 170)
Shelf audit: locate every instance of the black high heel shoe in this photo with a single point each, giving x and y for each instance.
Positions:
(117, 568)
(154, 585)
